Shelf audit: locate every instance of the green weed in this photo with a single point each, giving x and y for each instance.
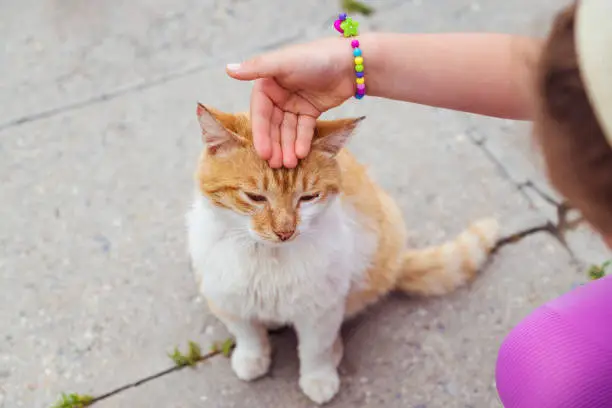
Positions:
(73, 401)
(354, 6)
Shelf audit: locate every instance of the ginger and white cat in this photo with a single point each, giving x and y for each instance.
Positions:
(309, 246)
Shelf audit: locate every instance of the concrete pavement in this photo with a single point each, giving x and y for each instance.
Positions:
(98, 142)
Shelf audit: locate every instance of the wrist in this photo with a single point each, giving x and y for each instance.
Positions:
(373, 64)
(370, 45)
(342, 59)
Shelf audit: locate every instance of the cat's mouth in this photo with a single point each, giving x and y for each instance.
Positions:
(285, 240)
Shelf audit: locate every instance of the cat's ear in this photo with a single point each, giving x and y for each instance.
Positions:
(216, 130)
(331, 135)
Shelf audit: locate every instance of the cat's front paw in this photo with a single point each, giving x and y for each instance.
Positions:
(249, 364)
(320, 386)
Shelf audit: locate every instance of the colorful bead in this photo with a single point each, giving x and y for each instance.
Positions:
(359, 68)
(357, 52)
(359, 96)
(355, 43)
(361, 91)
(358, 60)
(342, 16)
(338, 27)
(361, 87)
(359, 80)
(359, 74)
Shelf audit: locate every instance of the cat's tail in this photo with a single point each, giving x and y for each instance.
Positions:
(441, 269)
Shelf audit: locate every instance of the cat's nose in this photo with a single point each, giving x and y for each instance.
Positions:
(284, 235)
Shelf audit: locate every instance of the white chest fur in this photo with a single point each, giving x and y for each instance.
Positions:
(277, 283)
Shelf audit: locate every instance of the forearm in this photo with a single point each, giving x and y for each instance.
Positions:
(488, 74)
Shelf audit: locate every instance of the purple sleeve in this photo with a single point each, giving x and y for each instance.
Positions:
(561, 355)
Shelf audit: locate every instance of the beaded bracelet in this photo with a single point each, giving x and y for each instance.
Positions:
(348, 28)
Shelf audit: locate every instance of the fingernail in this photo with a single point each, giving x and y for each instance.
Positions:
(233, 67)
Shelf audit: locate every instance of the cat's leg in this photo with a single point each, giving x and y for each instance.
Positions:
(251, 357)
(320, 350)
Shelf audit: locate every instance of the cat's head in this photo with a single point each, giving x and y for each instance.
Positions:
(269, 205)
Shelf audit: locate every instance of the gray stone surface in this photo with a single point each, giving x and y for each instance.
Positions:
(586, 246)
(517, 17)
(95, 278)
(95, 286)
(60, 52)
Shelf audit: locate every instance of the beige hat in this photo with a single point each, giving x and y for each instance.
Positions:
(594, 47)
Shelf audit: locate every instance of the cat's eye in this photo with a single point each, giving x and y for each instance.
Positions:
(309, 197)
(257, 198)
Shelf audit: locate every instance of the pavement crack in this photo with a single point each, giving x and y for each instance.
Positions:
(151, 377)
(482, 145)
(520, 235)
(546, 197)
(105, 96)
(145, 84)
(565, 221)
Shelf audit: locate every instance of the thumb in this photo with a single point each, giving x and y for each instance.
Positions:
(263, 66)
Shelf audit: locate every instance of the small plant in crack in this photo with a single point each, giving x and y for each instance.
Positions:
(599, 271)
(224, 347)
(354, 6)
(73, 401)
(194, 354)
(190, 359)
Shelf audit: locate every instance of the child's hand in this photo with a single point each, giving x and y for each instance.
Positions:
(294, 86)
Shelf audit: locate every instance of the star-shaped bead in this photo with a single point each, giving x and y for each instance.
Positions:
(350, 27)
